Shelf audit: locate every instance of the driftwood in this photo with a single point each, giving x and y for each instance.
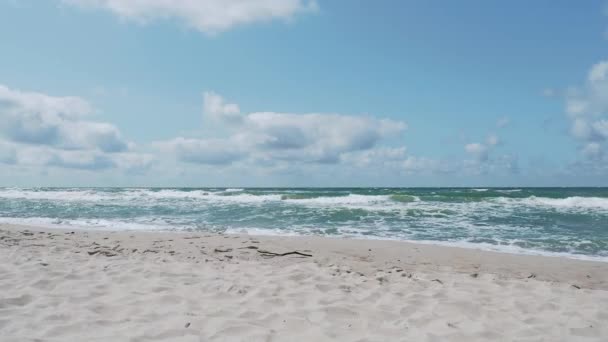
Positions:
(106, 252)
(273, 254)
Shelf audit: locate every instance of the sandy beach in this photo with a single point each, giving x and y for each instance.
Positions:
(82, 285)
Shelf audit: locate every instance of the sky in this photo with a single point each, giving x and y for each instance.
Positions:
(272, 93)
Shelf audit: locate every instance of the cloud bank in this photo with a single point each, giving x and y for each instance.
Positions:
(271, 136)
(42, 130)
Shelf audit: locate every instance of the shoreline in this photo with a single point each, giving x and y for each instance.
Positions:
(519, 265)
(501, 249)
(80, 284)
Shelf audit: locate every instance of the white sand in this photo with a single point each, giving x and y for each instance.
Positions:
(200, 287)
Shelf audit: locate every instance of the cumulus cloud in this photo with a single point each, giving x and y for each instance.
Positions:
(591, 100)
(587, 109)
(481, 150)
(486, 159)
(318, 137)
(598, 72)
(314, 137)
(216, 108)
(35, 118)
(39, 130)
(41, 156)
(208, 16)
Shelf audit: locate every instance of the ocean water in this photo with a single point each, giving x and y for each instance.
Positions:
(570, 222)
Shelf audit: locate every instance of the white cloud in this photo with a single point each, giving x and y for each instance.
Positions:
(216, 108)
(317, 137)
(35, 118)
(208, 16)
(587, 108)
(598, 72)
(591, 100)
(40, 156)
(479, 151)
(264, 136)
(38, 130)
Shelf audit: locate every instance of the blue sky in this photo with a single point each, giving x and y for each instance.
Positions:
(303, 93)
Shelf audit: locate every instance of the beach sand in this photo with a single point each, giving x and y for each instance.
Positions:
(82, 285)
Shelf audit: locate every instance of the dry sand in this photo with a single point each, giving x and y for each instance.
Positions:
(58, 285)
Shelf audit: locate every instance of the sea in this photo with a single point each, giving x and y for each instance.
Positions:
(566, 222)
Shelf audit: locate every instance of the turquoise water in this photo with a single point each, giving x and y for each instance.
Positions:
(560, 221)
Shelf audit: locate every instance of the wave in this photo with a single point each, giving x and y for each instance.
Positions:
(311, 195)
(574, 202)
(97, 224)
(350, 199)
(451, 200)
(529, 219)
(59, 195)
(509, 191)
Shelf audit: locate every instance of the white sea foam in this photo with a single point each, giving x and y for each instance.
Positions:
(502, 248)
(244, 198)
(509, 248)
(575, 202)
(62, 195)
(372, 202)
(508, 191)
(351, 199)
(96, 224)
